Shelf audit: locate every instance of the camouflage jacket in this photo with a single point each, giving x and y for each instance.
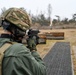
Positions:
(18, 60)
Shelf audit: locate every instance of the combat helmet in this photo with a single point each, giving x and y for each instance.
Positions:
(18, 17)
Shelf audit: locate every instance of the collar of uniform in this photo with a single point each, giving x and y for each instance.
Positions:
(5, 36)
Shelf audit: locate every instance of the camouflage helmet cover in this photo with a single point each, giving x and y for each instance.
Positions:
(18, 17)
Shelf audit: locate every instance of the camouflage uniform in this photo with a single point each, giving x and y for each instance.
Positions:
(19, 60)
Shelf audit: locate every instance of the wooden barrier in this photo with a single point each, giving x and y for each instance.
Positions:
(42, 39)
(55, 35)
(51, 36)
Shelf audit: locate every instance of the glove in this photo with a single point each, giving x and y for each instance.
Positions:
(31, 44)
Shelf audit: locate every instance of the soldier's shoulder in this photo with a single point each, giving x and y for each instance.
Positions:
(16, 49)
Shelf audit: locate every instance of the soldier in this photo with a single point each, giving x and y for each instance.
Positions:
(19, 60)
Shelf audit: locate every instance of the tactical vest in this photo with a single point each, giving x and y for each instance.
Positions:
(2, 50)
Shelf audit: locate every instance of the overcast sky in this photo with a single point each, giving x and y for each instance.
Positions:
(63, 8)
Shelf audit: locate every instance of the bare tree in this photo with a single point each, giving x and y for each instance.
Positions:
(49, 14)
(3, 10)
(74, 17)
(58, 18)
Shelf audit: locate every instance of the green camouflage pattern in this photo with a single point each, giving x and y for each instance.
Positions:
(18, 17)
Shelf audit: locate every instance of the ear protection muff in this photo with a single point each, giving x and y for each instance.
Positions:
(5, 24)
(19, 33)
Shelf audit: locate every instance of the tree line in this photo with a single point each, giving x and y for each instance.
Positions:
(45, 21)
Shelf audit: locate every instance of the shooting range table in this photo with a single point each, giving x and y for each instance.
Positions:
(58, 59)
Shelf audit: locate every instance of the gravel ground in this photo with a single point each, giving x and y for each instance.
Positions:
(58, 59)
